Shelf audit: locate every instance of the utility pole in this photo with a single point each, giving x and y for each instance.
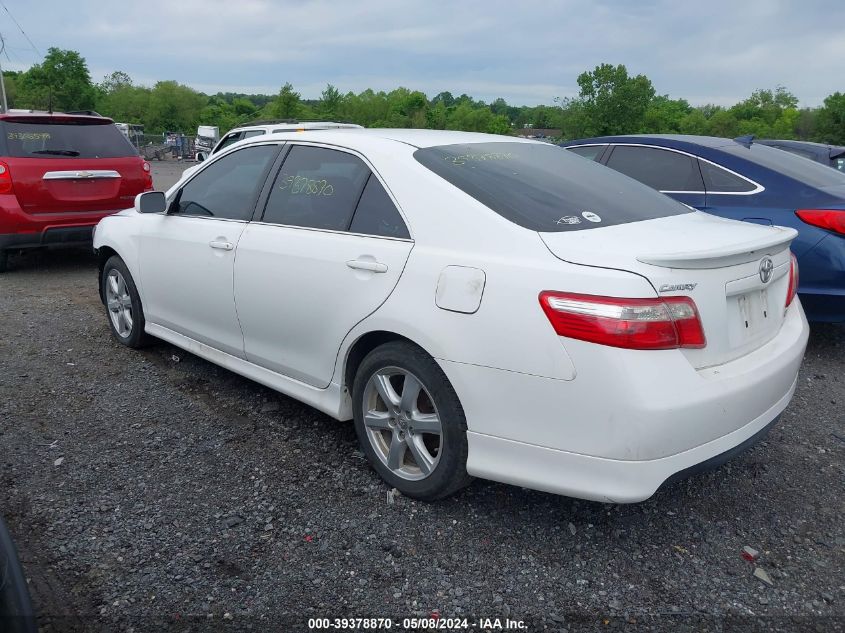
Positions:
(2, 78)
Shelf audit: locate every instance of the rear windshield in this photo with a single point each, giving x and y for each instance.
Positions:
(544, 187)
(790, 165)
(65, 140)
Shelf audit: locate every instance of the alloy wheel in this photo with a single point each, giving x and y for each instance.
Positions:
(119, 303)
(402, 423)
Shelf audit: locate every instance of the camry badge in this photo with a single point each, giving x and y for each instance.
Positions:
(767, 267)
(674, 287)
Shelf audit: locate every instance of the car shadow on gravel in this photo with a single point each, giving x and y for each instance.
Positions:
(51, 260)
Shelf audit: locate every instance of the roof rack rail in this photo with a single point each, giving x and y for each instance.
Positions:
(82, 112)
(291, 122)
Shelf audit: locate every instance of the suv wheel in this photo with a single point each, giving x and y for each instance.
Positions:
(123, 304)
(409, 422)
(4, 261)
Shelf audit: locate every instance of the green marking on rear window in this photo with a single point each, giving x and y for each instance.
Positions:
(306, 186)
(463, 159)
(27, 136)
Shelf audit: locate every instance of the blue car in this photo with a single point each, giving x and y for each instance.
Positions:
(744, 180)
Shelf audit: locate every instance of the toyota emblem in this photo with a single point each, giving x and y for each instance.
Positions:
(767, 267)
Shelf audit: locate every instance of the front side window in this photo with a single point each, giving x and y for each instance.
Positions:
(228, 187)
(718, 180)
(543, 187)
(317, 188)
(660, 169)
(591, 152)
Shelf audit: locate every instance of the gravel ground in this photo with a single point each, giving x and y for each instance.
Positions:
(153, 491)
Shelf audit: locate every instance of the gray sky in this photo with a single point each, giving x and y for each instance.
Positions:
(527, 52)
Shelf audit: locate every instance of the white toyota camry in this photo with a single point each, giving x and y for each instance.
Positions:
(478, 305)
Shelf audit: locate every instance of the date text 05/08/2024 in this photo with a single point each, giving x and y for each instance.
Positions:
(434, 623)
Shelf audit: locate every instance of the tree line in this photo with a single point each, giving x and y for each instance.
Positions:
(609, 101)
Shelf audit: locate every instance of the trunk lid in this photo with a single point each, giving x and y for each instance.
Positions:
(716, 262)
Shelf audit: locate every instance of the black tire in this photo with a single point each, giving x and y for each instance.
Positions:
(449, 474)
(135, 337)
(4, 261)
(16, 614)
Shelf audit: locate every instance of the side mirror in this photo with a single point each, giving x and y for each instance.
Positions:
(151, 202)
(200, 156)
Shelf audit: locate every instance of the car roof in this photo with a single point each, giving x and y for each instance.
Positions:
(417, 138)
(34, 116)
(674, 140)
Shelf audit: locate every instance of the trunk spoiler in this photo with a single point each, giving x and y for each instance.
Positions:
(729, 255)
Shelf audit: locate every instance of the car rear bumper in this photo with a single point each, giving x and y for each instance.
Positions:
(53, 236)
(605, 480)
(20, 229)
(621, 428)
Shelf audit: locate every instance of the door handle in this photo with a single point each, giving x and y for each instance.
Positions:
(363, 264)
(223, 246)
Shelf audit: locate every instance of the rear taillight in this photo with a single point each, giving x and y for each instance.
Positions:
(830, 219)
(792, 288)
(148, 177)
(5, 178)
(666, 323)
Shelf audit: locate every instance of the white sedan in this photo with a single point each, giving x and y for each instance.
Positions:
(478, 305)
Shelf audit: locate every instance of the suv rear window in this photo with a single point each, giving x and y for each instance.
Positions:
(65, 139)
(544, 187)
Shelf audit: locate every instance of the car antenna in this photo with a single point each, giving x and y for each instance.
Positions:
(50, 99)
(746, 140)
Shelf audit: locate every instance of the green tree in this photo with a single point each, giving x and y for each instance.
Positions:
(173, 107)
(330, 102)
(831, 120)
(10, 80)
(62, 81)
(665, 115)
(614, 102)
(287, 105)
(115, 81)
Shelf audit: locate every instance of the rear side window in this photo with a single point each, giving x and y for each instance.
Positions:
(317, 188)
(227, 188)
(544, 187)
(65, 140)
(661, 169)
(805, 171)
(592, 152)
(376, 213)
(718, 180)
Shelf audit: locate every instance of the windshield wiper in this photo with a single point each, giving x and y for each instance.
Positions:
(57, 152)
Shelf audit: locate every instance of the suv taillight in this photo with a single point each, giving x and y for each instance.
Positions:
(830, 219)
(666, 323)
(5, 178)
(792, 288)
(148, 177)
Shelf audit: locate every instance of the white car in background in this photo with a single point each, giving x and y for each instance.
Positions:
(479, 305)
(260, 128)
